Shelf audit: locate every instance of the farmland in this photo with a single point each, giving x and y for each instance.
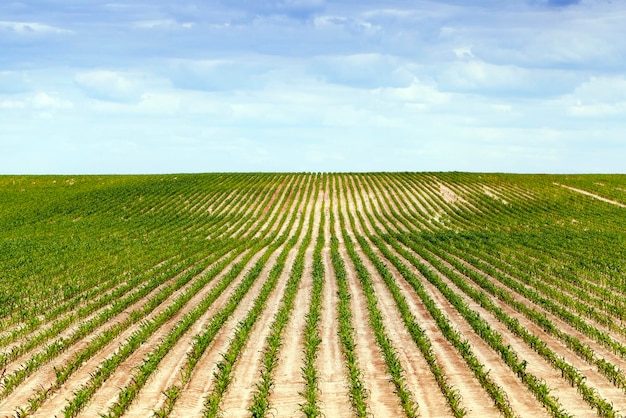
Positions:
(337, 295)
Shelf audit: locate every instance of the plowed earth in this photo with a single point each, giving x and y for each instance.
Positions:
(385, 211)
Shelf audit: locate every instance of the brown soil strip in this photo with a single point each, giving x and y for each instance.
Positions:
(595, 196)
(382, 400)
(367, 204)
(493, 194)
(447, 193)
(46, 375)
(519, 396)
(288, 381)
(333, 381)
(594, 378)
(55, 404)
(191, 400)
(418, 376)
(474, 398)
(247, 370)
(19, 361)
(619, 337)
(168, 373)
(427, 392)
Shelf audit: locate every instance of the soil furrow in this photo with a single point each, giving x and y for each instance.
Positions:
(55, 404)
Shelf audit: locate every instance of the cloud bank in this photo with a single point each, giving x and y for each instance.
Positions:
(310, 85)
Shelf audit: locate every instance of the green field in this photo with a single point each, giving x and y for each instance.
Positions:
(265, 294)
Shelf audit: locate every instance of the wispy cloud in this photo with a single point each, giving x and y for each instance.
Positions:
(25, 28)
(524, 85)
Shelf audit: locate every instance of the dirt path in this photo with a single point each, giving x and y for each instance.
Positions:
(55, 404)
(288, 381)
(382, 400)
(519, 396)
(191, 400)
(594, 378)
(246, 372)
(45, 376)
(333, 381)
(595, 196)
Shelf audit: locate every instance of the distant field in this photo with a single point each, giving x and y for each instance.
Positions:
(337, 295)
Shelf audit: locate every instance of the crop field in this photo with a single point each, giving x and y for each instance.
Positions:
(336, 295)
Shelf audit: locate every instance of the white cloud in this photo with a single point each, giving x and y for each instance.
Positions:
(108, 86)
(602, 89)
(349, 24)
(363, 70)
(31, 27)
(598, 97)
(163, 24)
(416, 92)
(38, 101)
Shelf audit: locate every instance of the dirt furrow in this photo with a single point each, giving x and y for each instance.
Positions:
(151, 398)
(191, 400)
(57, 401)
(288, 381)
(45, 376)
(594, 378)
(618, 337)
(521, 399)
(459, 375)
(107, 394)
(19, 361)
(382, 401)
(474, 398)
(247, 370)
(420, 380)
(333, 381)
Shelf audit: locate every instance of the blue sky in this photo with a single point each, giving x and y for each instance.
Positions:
(119, 86)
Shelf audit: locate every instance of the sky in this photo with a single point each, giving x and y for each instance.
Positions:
(121, 86)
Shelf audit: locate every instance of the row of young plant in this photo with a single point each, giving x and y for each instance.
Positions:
(139, 336)
(260, 406)
(418, 335)
(107, 336)
(549, 298)
(88, 294)
(11, 380)
(203, 340)
(559, 294)
(454, 337)
(545, 285)
(312, 339)
(464, 348)
(571, 374)
(357, 390)
(389, 352)
(224, 369)
(84, 257)
(127, 394)
(613, 373)
(567, 302)
(58, 346)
